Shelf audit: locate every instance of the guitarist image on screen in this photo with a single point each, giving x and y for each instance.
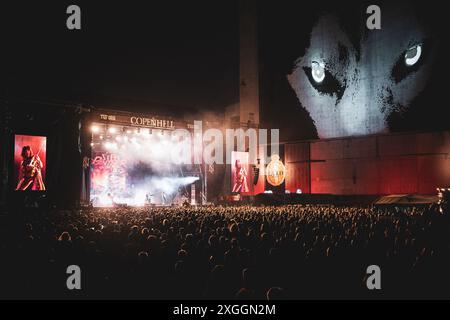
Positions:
(30, 176)
(240, 184)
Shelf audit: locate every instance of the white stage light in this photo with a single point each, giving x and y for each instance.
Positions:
(110, 145)
(112, 130)
(145, 131)
(95, 129)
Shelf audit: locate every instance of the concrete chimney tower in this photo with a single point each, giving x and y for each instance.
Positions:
(249, 65)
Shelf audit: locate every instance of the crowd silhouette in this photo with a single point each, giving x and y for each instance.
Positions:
(227, 252)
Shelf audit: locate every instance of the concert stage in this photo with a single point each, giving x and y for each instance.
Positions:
(131, 162)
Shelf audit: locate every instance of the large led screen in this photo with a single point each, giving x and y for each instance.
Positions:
(30, 154)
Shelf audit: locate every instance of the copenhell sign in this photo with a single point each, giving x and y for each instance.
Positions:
(140, 121)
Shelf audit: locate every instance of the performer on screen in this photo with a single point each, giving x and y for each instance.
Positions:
(30, 171)
(240, 184)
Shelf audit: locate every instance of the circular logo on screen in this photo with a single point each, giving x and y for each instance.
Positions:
(276, 171)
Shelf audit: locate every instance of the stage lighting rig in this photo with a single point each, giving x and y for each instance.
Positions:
(95, 129)
(444, 200)
(256, 173)
(112, 130)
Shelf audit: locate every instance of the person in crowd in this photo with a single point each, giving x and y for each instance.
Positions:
(227, 252)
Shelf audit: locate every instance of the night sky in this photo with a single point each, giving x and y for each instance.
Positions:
(179, 54)
(152, 56)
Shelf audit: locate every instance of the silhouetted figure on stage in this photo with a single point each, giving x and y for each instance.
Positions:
(148, 199)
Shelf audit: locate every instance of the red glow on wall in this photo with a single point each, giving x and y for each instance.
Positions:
(390, 164)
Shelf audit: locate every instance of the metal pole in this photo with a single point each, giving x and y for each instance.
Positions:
(206, 184)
